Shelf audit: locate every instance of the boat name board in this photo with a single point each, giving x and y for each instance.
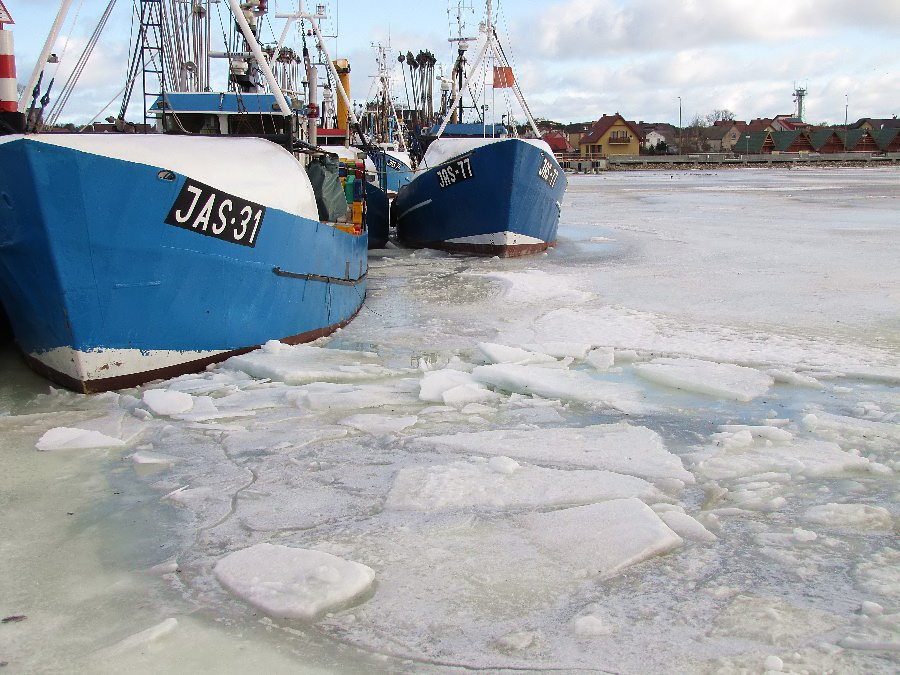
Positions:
(394, 163)
(455, 172)
(215, 213)
(548, 172)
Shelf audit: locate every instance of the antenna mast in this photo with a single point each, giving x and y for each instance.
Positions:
(799, 95)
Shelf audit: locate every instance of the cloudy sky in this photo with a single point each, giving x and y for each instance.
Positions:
(650, 60)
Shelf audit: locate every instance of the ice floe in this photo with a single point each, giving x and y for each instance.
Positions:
(602, 539)
(502, 483)
(290, 582)
(621, 448)
(707, 377)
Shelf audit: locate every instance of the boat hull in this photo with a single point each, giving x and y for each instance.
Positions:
(116, 272)
(393, 169)
(377, 216)
(500, 199)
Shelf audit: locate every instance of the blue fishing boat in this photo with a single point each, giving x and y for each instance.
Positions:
(479, 190)
(393, 167)
(389, 142)
(126, 258)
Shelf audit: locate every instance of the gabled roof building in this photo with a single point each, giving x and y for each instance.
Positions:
(611, 135)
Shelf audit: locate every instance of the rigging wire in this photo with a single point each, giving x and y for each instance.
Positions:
(510, 109)
(69, 86)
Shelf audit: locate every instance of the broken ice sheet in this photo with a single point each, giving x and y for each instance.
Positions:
(568, 385)
(503, 483)
(740, 454)
(620, 447)
(725, 380)
(303, 364)
(292, 583)
(602, 539)
(69, 438)
(116, 429)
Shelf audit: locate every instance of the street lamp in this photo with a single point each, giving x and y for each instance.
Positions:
(679, 113)
(846, 107)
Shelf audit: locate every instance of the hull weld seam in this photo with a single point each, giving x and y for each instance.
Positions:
(318, 277)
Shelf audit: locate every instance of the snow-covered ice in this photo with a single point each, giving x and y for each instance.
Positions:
(292, 583)
(667, 445)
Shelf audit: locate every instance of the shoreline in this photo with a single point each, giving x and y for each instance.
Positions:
(726, 161)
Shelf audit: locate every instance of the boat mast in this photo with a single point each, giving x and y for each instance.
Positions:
(45, 52)
(257, 52)
(314, 22)
(490, 42)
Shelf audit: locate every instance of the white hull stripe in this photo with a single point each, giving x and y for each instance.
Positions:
(413, 208)
(105, 363)
(498, 239)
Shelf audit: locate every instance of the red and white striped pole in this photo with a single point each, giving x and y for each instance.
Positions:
(11, 121)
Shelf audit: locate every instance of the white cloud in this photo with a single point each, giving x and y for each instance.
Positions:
(581, 28)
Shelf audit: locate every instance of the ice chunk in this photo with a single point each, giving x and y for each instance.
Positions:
(725, 380)
(561, 384)
(502, 354)
(561, 350)
(302, 364)
(167, 402)
(794, 378)
(292, 583)
(686, 526)
(68, 438)
(204, 409)
(602, 539)
(730, 459)
(500, 484)
(875, 435)
(503, 464)
(469, 393)
(601, 358)
(453, 387)
(621, 447)
(435, 382)
(851, 515)
(765, 431)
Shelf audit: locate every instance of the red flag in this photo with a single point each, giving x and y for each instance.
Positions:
(503, 77)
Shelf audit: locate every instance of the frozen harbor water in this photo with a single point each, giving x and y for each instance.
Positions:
(668, 445)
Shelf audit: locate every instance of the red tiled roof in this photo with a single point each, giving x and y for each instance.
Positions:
(557, 141)
(603, 125)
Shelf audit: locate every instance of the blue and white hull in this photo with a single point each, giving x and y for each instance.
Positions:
(482, 196)
(129, 258)
(394, 169)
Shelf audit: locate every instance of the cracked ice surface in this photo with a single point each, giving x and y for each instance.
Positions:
(668, 445)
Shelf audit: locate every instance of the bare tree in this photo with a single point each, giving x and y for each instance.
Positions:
(719, 116)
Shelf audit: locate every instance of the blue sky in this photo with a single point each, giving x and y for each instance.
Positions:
(578, 59)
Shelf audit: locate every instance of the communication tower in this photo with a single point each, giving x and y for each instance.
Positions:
(799, 95)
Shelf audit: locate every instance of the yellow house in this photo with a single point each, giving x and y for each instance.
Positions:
(611, 135)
